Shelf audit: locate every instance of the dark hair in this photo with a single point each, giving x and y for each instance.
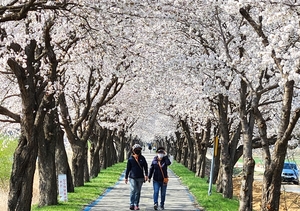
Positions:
(160, 149)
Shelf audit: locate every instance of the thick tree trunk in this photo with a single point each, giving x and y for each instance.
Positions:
(78, 161)
(95, 155)
(225, 183)
(170, 150)
(191, 158)
(189, 146)
(110, 153)
(185, 154)
(113, 150)
(21, 179)
(61, 162)
(178, 147)
(119, 141)
(129, 145)
(46, 161)
(95, 160)
(226, 176)
(246, 194)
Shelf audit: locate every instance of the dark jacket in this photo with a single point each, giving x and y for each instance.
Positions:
(134, 170)
(155, 169)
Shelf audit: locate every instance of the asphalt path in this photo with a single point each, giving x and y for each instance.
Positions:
(178, 197)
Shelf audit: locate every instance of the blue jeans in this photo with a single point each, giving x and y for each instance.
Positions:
(135, 190)
(163, 189)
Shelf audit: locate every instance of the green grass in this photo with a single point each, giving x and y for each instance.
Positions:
(81, 197)
(84, 195)
(199, 188)
(7, 148)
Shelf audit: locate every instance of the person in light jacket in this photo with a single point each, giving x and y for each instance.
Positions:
(137, 172)
(158, 171)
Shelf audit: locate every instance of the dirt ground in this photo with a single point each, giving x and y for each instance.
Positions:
(288, 201)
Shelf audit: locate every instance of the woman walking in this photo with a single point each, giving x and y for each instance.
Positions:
(158, 170)
(136, 167)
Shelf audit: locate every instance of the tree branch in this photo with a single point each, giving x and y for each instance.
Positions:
(6, 112)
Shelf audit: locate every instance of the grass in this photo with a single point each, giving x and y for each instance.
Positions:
(199, 188)
(81, 197)
(7, 148)
(108, 177)
(84, 195)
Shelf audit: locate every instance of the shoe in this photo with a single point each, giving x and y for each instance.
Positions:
(162, 207)
(136, 208)
(155, 206)
(131, 207)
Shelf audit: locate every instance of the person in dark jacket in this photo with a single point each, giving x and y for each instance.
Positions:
(158, 170)
(136, 167)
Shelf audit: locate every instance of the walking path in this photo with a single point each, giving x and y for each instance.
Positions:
(117, 198)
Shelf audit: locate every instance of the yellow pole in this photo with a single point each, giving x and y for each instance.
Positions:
(216, 143)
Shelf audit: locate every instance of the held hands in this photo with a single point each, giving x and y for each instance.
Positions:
(146, 179)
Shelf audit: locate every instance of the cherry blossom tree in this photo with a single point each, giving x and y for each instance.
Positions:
(32, 60)
(122, 69)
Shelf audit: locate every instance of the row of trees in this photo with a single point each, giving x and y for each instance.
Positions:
(92, 70)
(52, 93)
(247, 64)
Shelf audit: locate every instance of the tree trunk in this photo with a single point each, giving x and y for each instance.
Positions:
(178, 146)
(202, 145)
(86, 165)
(21, 179)
(246, 195)
(110, 153)
(95, 159)
(272, 175)
(61, 163)
(199, 159)
(103, 157)
(185, 154)
(189, 149)
(46, 161)
(96, 144)
(129, 145)
(78, 161)
(122, 146)
(191, 157)
(226, 167)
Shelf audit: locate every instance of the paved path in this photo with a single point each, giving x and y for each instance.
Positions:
(117, 198)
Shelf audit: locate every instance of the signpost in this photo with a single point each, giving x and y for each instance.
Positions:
(215, 150)
(62, 187)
